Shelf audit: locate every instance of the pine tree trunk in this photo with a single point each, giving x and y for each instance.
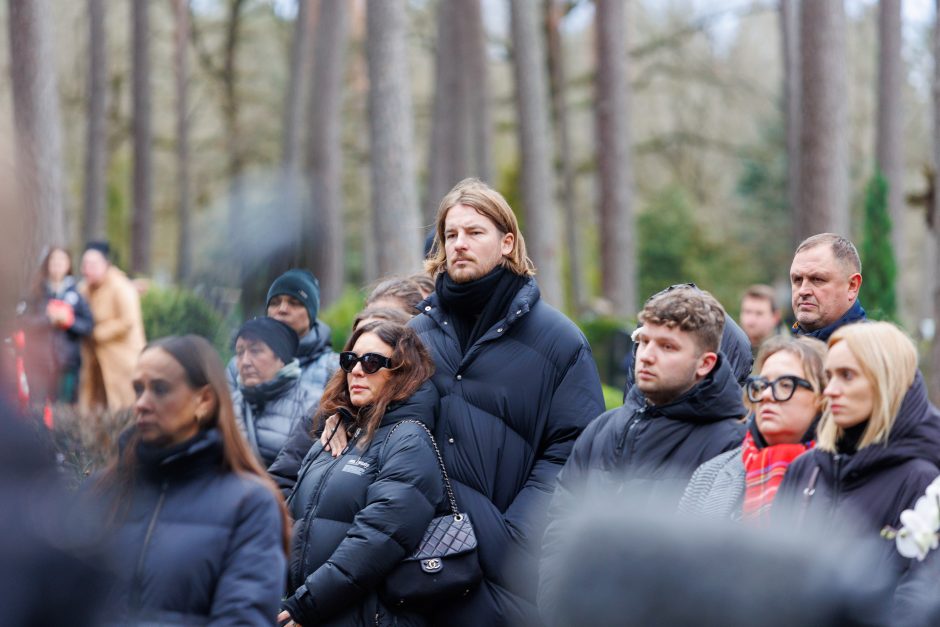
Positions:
(142, 220)
(40, 167)
(934, 382)
(397, 237)
(618, 257)
(234, 148)
(889, 150)
(558, 82)
(790, 40)
(96, 146)
(443, 171)
(824, 172)
(324, 221)
(181, 71)
(473, 88)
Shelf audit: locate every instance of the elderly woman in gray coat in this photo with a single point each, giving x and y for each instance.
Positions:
(269, 399)
(786, 401)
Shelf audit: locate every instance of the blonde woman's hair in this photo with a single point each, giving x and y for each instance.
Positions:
(888, 361)
(810, 351)
(490, 203)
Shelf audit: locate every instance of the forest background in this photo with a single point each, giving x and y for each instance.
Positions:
(641, 143)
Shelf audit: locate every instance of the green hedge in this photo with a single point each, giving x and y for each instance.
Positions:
(174, 311)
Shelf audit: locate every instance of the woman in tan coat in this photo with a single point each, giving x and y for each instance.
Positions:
(111, 351)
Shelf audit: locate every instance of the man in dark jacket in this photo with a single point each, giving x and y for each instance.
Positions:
(517, 383)
(825, 277)
(294, 299)
(684, 409)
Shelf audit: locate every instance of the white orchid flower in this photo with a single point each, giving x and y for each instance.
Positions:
(918, 535)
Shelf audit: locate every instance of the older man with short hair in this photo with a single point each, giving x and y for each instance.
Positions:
(825, 278)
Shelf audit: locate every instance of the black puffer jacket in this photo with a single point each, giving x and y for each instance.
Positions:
(358, 515)
(648, 447)
(873, 486)
(198, 545)
(511, 409)
(268, 412)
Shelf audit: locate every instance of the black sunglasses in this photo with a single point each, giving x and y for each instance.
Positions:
(781, 388)
(371, 362)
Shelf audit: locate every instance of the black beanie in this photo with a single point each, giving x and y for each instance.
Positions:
(300, 284)
(101, 246)
(279, 337)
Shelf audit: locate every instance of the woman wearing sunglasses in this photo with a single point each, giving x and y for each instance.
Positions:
(359, 514)
(877, 449)
(786, 399)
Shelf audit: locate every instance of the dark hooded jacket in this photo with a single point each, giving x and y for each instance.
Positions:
(358, 515)
(196, 544)
(268, 412)
(511, 407)
(874, 485)
(648, 449)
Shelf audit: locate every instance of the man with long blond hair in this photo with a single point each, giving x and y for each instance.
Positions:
(517, 384)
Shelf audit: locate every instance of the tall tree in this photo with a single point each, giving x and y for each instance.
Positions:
(889, 150)
(790, 41)
(324, 222)
(38, 129)
(397, 237)
(934, 211)
(142, 220)
(181, 71)
(554, 12)
(96, 143)
(461, 128)
(618, 255)
(824, 172)
(535, 148)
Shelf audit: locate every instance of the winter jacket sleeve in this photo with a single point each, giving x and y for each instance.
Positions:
(577, 400)
(400, 504)
(255, 567)
(571, 480)
(286, 465)
(127, 308)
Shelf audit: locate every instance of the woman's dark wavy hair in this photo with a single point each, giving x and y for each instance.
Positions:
(203, 367)
(411, 367)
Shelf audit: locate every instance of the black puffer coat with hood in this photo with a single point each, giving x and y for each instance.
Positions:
(358, 515)
(874, 485)
(653, 449)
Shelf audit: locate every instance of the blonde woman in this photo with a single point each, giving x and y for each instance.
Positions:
(878, 442)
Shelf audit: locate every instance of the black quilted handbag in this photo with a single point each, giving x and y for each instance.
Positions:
(445, 564)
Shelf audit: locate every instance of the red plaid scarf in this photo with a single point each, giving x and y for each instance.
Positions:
(763, 472)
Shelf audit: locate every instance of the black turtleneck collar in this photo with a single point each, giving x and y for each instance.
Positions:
(204, 448)
(477, 305)
(848, 443)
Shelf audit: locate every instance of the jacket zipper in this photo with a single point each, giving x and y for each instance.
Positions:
(298, 571)
(634, 421)
(139, 572)
(837, 481)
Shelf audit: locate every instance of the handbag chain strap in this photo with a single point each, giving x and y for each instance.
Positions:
(440, 460)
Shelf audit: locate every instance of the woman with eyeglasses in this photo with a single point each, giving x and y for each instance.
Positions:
(878, 443)
(786, 400)
(359, 514)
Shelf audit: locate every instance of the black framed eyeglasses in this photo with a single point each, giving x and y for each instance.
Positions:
(781, 388)
(371, 362)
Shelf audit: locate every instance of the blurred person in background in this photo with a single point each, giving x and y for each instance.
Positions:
(424, 282)
(375, 314)
(360, 514)
(877, 445)
(294, 299)
(396, 293)
(760, 316)
(110, 352)
(54, 318)
(786, 400)
(200, 533)
(269, 400)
